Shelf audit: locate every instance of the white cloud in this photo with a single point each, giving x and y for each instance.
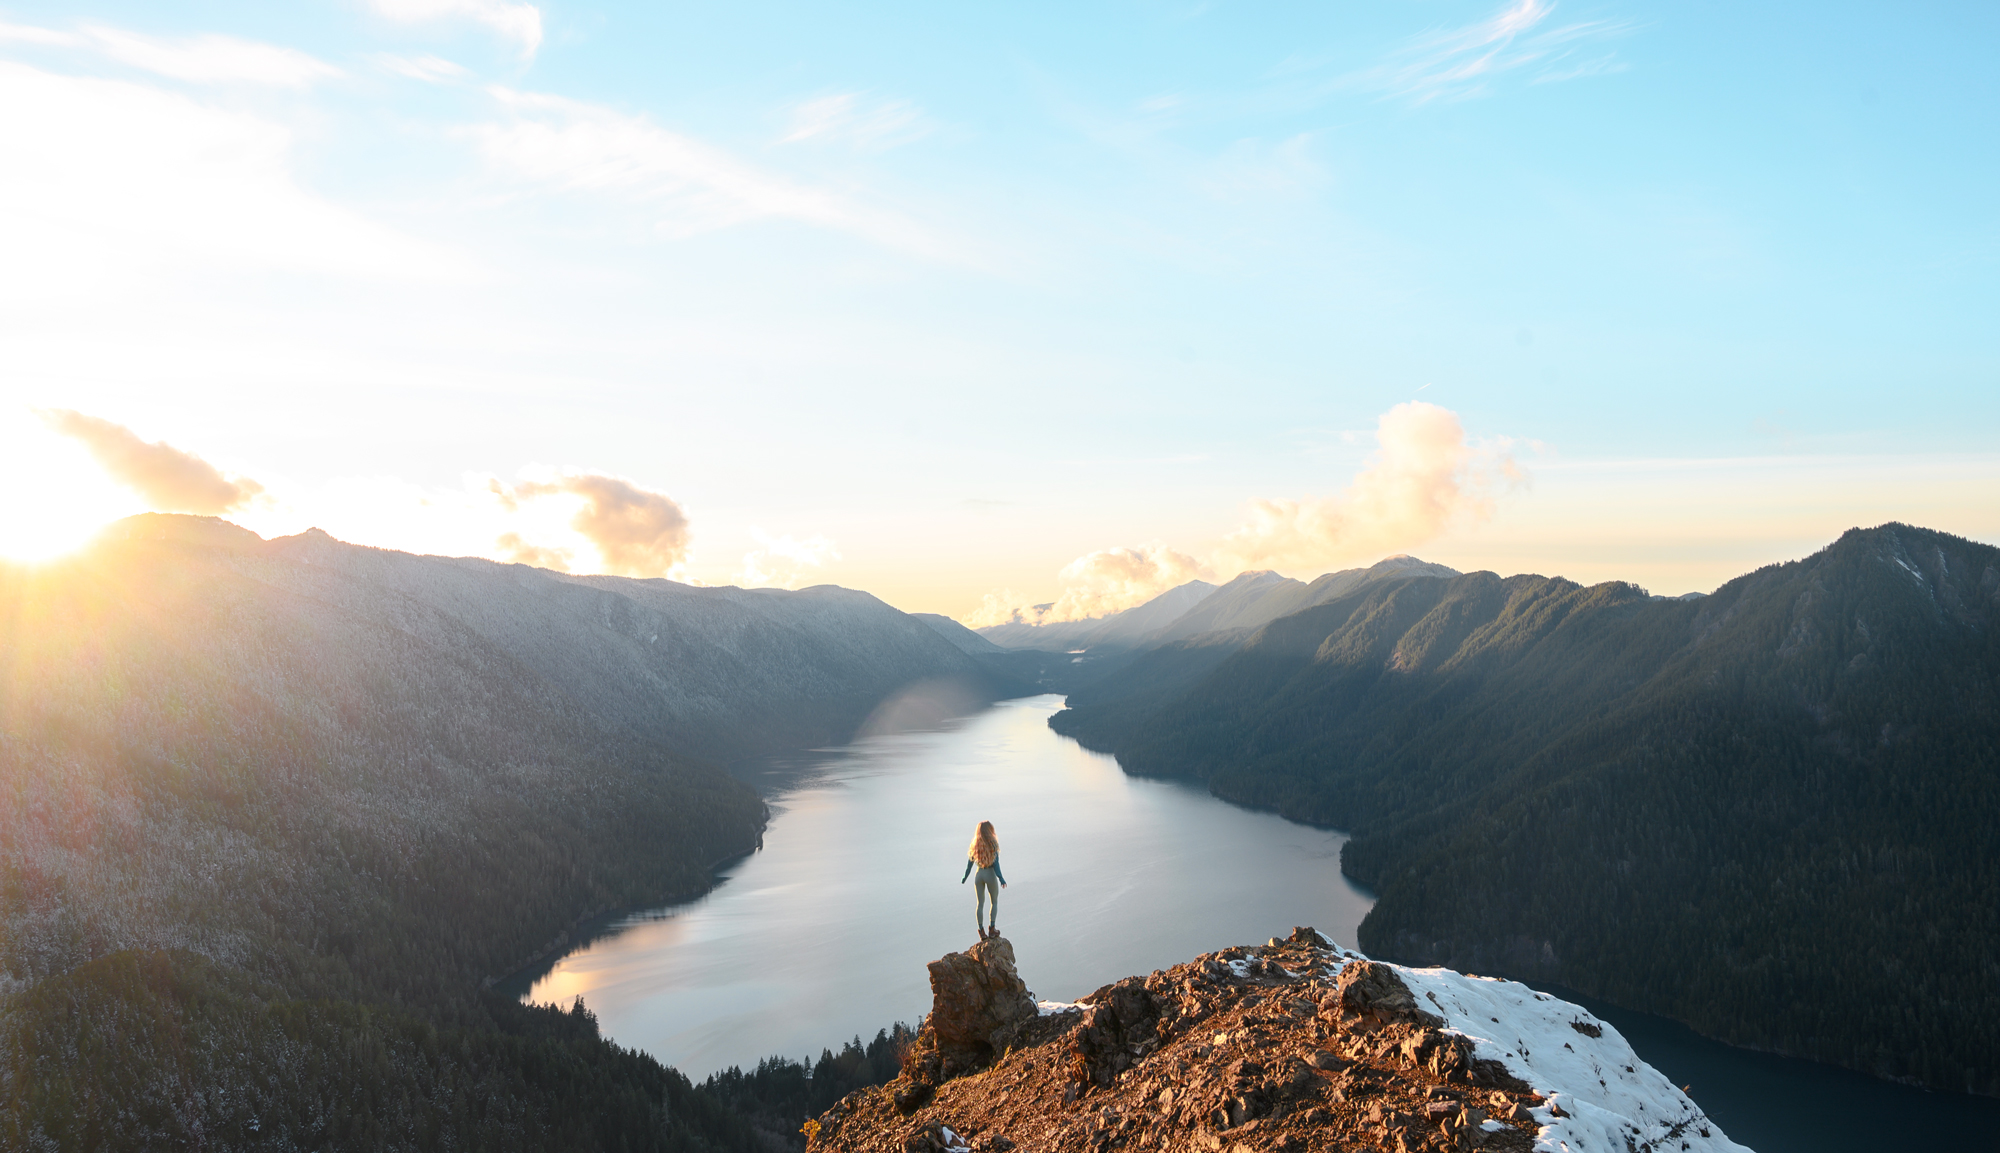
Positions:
(850, 118)
(429, 69)
(1425, 477)
(784, 561)
(28, 34)
(636, 531)
(110, 178)
(211, 59)
(514, 548)
(690, 187)
(208, 59)
(520, 23)
(1462, 63)
(167, 478)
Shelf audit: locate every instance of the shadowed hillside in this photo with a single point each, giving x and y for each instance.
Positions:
(1768, 812)
(237, 774)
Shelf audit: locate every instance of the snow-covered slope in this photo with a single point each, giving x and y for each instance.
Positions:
(1600, 1095)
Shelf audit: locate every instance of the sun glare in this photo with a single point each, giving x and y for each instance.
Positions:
(64, 498)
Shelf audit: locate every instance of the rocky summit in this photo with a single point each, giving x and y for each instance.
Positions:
(1298, 1045)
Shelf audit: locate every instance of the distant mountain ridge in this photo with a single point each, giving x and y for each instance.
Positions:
(1124, 629)
(960, 637)
(1768, 812)
(1197, 608)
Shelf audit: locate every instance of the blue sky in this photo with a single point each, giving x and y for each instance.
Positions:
(989, 306)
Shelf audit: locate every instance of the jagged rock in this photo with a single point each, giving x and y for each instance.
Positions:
(1370, 994)
(1120, 1024)
(977, 993)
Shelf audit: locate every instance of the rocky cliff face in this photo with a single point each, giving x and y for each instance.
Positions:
(1295, 1046)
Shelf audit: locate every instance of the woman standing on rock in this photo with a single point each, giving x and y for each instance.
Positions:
(985, 853)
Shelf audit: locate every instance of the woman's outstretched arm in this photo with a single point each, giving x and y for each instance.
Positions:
(998, 873)
(968, 870)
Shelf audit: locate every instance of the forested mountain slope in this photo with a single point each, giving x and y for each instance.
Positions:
(237, 774)
(1770, 812)
(714, 672)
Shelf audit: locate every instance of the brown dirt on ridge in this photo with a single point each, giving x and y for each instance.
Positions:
(1249, 1048)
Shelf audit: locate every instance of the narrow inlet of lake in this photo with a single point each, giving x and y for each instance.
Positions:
(823, 934)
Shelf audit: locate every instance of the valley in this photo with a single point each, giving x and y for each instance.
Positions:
(291, 825)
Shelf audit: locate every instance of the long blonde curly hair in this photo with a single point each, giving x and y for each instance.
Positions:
(985, 847)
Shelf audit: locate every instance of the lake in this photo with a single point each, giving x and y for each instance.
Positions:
(824, 933)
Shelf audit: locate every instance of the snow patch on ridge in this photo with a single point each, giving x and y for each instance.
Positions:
(1608, 1099)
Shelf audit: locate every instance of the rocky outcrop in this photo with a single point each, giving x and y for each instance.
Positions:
(980, 1007)
(1294, 1046)
(976, 994)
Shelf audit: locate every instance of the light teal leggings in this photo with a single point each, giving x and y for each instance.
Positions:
(986, 883)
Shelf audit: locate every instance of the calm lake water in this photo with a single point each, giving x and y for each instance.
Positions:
(824, 933)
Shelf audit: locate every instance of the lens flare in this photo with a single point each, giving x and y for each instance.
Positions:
(58, 498)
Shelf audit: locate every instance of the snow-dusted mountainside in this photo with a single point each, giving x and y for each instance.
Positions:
(1297, 1046)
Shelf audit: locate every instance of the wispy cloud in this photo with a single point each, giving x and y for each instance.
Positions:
(207, 59)
(117, 175)
(854, 120)
(167, 478)
(1257, 168)
(429, 69)
(1521, 40)
(520, 23)
(689, 186)
(212, 59)
(29, 34)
